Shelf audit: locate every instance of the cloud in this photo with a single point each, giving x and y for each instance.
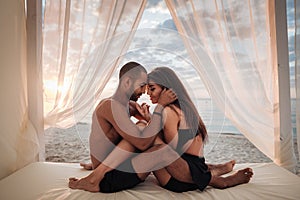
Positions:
(169, 24)
(153, 3)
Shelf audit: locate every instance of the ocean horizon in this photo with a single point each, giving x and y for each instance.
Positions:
(214, 119)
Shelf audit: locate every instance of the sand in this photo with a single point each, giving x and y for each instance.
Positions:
(71, 145)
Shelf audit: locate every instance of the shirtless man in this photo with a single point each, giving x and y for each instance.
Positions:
(111, 123)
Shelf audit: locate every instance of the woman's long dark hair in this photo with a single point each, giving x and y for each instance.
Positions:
(166, 78)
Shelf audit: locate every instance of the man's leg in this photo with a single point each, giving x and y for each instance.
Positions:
(118, 180)
(91, 183)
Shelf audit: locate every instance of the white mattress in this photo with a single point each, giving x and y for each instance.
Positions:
(44, 180)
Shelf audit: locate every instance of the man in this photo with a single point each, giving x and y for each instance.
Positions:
(112, 128)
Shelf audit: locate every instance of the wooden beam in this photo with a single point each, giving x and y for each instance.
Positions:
(284, 152)
(34, 69)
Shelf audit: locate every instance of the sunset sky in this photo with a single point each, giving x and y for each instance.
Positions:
(156, 16)
(157, 23)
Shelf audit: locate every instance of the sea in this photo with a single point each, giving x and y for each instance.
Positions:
(213, 117)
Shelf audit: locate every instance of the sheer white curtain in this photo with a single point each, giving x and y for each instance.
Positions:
(19, 143)
(83, 43)
(229, 45)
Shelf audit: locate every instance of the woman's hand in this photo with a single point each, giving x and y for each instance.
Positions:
(166, 97)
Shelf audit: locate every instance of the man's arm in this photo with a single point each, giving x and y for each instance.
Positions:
(118, 117)
(119, 154)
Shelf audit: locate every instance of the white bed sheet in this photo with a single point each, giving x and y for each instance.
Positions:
(45, 180)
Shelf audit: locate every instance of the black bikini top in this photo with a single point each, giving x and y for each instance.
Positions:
(184, 135)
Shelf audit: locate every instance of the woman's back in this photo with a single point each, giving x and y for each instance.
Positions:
(179, 135)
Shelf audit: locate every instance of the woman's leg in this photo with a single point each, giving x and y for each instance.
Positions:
(240, 177)
(162, 176)
(220, 169)
(162, 156)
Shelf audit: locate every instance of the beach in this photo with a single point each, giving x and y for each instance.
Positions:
(72, 145)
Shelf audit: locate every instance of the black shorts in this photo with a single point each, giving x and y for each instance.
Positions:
(199, 172)
(179, 186)
(117, 180)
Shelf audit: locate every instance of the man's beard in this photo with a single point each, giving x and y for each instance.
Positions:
(135, 96)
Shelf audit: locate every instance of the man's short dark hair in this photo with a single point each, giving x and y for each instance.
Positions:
(132, 69)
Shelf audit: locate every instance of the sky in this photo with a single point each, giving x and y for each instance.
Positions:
(157, 23)
(291, 38)
(156, 16)
(171, 52)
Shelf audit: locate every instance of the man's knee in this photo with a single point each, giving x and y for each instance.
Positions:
(143, 176)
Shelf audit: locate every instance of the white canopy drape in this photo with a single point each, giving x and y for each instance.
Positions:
(83, 41)
(229, 44)
(19, 143)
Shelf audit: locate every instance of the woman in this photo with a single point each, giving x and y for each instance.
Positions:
(185, 132)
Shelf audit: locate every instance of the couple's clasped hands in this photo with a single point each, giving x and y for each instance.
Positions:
(141, 112)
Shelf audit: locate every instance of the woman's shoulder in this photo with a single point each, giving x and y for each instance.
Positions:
(172, 108)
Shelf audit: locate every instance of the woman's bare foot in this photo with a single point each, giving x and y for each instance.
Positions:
(220, 169)
(240, 177)
(84, 184)
(87, 166)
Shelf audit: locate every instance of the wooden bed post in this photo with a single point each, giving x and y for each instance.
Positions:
(34, 70)
(284, 152)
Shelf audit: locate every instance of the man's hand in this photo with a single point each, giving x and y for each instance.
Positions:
(140, 112)
(144, 111)
(132, 108)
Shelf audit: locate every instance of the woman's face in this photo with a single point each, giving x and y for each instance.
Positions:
(154, 91)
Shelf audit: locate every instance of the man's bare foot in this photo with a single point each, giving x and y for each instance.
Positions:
(240, 177)
(84, 184)
(220, 169)
(87, 166)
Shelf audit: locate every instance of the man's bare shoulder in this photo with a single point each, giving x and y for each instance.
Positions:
(104, 106)
(104, 101)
